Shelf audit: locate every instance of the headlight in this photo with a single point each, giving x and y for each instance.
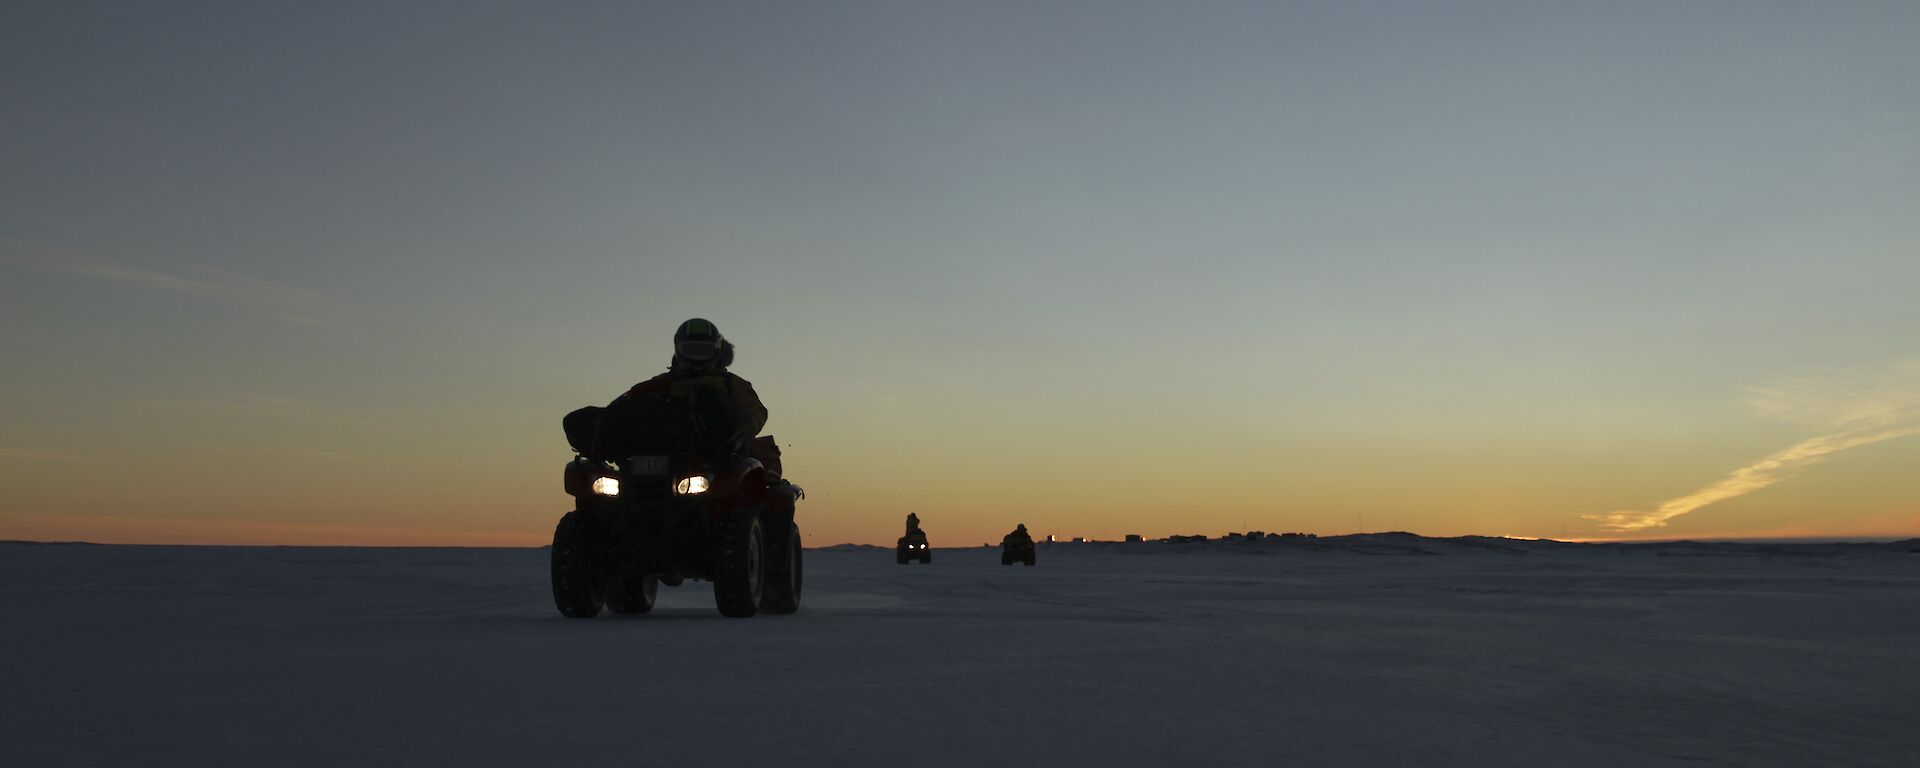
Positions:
(691, 485)
(606, 486)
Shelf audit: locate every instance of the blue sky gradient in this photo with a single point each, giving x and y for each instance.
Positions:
(1104, 267)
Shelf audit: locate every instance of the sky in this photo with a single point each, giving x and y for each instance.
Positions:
(331, 273)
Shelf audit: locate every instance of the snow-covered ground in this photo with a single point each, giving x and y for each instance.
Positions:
(1351, 651)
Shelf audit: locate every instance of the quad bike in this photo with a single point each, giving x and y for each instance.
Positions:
(662, 504)
(912, 546)
(1016, 551)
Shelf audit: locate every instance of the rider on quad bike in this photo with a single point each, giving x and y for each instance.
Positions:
(671, 484)
(701, 357)
(913, 546)
(1017, 547)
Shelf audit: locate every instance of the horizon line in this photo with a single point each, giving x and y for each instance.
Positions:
(1888, 539)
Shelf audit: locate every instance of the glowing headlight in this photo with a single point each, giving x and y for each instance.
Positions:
(606, 486)
(695, 484)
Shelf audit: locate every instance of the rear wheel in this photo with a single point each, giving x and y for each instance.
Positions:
(741, 575)
(783, 573)
(632, 594)
(576, 592)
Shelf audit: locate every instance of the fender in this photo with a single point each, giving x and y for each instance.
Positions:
(745, 482)
(578, 479)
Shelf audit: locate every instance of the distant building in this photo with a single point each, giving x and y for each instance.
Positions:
(1134, 538)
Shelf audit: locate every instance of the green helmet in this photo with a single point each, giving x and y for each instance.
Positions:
(698, 345)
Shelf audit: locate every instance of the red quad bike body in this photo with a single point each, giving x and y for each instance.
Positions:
(666, 510)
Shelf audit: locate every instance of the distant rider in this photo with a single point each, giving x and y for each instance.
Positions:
(699, 372)
(1019, 536)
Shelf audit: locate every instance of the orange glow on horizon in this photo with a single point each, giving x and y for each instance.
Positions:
(189, 532)
(196, 532)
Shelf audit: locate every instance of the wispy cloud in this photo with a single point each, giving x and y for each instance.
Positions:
(1854, 408)
(252, 406)
(1844, 399)
(27, 454)
(265, 296)
(304, 454)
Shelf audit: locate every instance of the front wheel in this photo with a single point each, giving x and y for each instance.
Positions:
(741, 575)
(784, 573)
(576, 592)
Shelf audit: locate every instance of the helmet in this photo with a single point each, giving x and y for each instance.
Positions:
(698, 345)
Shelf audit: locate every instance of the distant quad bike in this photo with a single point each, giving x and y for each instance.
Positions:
(913, 546)
(1015, 551)
(664, 505)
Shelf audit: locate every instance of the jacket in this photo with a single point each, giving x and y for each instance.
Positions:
(750, 412)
